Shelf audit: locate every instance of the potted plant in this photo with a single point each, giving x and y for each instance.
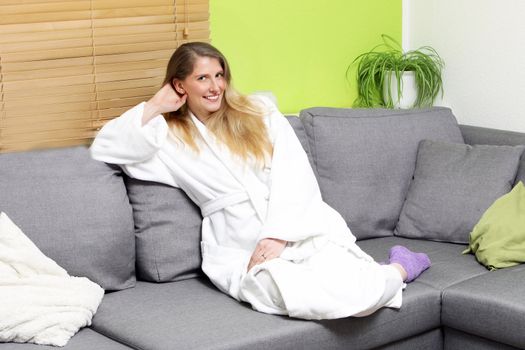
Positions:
(384, 77)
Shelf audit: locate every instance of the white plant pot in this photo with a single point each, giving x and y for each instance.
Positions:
(408, 95)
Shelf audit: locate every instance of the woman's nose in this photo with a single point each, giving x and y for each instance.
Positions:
(214, 86)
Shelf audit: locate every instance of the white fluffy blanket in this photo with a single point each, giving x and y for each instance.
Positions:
(39, 302)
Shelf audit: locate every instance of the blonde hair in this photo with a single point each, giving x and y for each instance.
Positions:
(238, 123)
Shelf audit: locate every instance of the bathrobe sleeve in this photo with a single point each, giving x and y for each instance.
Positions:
(296, 210)
(125, 142)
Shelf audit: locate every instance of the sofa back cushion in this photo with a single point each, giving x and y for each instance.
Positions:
(365, 158)
(74, 209)
(168, 231)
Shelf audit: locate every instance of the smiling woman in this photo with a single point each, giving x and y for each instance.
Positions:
(197, 83)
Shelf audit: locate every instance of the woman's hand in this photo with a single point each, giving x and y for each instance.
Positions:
(164, 101)
(266, 249)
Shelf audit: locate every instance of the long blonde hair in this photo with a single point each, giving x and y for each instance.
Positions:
(238, 123)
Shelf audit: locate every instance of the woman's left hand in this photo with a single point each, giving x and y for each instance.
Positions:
(266, 249)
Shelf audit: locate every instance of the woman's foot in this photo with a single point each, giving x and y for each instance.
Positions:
(413, 263)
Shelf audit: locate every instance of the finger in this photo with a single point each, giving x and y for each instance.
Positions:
(252, 262)
(273, 253)
(256, 259)
(180, 101)
(268, 255)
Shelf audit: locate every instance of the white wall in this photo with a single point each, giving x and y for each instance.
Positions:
(483, 45)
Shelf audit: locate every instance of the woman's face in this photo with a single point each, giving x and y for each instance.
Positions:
(204, 87)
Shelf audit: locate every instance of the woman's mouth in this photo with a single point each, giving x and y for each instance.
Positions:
(212, 98)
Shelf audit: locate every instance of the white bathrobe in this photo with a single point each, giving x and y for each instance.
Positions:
(321, 273)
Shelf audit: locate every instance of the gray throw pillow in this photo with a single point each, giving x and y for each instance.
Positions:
(167, 231)
(365, 158)
(74, 209)
(452, 186)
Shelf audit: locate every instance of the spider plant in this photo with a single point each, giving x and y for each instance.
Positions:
(387, 61)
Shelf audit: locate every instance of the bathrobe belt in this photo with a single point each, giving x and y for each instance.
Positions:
(216, 204)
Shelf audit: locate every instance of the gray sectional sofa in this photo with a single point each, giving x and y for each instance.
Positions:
(140, 241)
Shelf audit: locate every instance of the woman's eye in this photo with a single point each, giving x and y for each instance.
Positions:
(201, 77)
(220, 75)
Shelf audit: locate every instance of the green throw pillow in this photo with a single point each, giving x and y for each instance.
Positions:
(498, 239)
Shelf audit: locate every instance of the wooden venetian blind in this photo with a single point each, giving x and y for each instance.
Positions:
(67, 67)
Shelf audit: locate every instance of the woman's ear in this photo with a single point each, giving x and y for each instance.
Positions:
(177, 85)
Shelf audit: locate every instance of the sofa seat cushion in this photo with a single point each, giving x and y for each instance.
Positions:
(86, 339)
(365, 158)
(449, 265)
(454, 339)
(432, 340)
(74, 209)
(193, 314)
(490, 306)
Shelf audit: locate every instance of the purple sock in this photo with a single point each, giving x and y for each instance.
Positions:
(413, 263)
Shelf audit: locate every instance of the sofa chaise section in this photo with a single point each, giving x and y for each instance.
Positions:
(487, 311)
(454, 339)
(490, 306)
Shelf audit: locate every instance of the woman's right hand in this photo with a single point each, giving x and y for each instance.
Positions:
(267, 249)
(164, 101)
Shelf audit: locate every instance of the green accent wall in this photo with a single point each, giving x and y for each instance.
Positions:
(300, 49)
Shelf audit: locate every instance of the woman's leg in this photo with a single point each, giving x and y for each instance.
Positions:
(392, 293)
(402, 272)
(266, 280)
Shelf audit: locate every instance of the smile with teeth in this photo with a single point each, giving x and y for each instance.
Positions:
(212, 98)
